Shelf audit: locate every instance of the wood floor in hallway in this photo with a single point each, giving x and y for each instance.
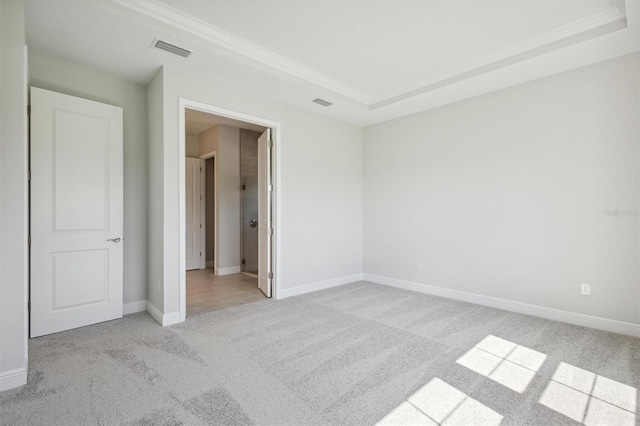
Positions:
(207, 292)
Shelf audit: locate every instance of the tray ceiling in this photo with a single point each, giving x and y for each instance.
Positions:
(374, 60)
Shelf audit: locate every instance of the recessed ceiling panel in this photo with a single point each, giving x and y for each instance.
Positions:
(375, 46)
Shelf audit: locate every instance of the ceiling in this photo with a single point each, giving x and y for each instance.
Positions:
(373, 59)
(373, 46)
(199, 121)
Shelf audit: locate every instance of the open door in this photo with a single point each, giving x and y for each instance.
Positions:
(265, 227)
(76, 212)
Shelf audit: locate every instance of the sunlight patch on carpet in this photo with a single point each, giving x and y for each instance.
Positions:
(505, 362)
(589, 398)
(438, 402)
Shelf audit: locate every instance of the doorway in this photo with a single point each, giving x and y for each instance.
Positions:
(236, 204)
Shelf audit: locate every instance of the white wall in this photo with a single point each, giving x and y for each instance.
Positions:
(61, 76)
(13, 196)
(225, 142)
(505, 195)
(208, 140)
(155, 196)
(321, 184)
(228, 198)
(192, 147)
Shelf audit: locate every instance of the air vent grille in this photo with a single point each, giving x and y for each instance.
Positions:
(322, 102)
(163, 45)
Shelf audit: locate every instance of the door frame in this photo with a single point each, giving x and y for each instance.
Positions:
(203, 212)
(204, 157)
(202, 195)
(183, 105)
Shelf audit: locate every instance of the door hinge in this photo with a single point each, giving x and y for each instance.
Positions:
(270, 188)
(200, 225)
(200, 254)
(271, 231)
(201, 197)
(29, 175)
(270, 275)
(270, 144)
(29, 240)
(29, 306)
(28, 109)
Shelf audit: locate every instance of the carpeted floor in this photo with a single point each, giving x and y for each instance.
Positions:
(357, 354)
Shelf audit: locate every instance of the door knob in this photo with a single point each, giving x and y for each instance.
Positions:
(253, 223)
(115, 240)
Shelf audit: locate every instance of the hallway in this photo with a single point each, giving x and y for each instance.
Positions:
(207, 292)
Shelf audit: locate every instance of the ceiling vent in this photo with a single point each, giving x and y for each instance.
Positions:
(163, 45)
(322, 102)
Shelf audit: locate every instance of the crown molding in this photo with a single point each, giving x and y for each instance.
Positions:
(226, 43)
(238, 47)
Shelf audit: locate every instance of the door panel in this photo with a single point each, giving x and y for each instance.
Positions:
(80, 204)
(264, 213)
(193, 201)
(249, 228)
(89, 266)
(76, 212)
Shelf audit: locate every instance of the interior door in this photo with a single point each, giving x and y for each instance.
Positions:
(264, 213)
(193, 214)
(249, 228)
(76, 212)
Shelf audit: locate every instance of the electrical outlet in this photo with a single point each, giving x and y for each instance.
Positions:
(585, 289)
(418, 266)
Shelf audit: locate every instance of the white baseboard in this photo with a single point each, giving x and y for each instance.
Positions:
(154, 312)
(210, 263)
(613, 326)
(320, 285)
(163, 319)
(13, 379)
(134, 307)
(228, 271)
(170, 319)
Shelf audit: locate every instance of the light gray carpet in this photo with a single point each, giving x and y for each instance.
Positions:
(348, 355)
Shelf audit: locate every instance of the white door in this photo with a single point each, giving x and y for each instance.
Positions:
(264, 212)
(193, 214)
(76, 212)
